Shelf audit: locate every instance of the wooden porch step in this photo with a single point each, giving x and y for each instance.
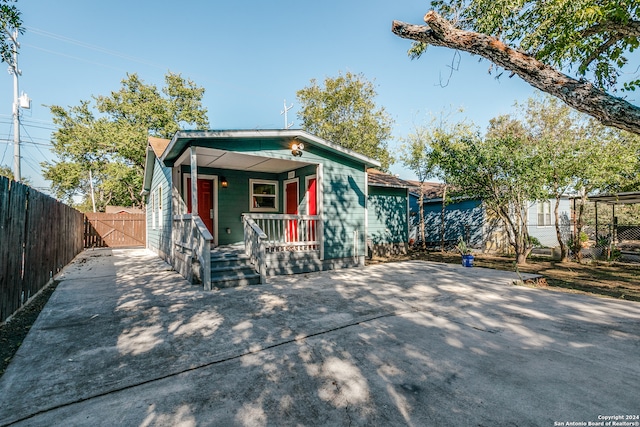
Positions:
(235, 280)
(231, 267)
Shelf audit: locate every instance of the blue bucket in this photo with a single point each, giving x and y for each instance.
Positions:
(467, 260)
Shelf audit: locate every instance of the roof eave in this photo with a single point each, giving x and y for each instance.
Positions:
(269, 133)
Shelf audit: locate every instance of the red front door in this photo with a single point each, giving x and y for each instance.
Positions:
(312, 197)
(205, 201)
(291, 207)
(312, 203)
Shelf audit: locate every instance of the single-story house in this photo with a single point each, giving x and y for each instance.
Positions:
(387, 214)
(229, 207)
(467, 218)
(122, 210)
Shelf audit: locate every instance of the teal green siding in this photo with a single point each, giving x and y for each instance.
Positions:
(343, 187)
(344, 203)
(159, 233)
(387, 215)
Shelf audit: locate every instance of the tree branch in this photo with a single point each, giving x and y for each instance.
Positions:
(599, 51)
(628, 29)
(579, 94)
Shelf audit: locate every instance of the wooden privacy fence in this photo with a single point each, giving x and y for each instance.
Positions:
(38, 236)
(114, 230)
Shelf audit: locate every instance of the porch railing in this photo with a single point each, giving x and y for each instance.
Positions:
(254, 246)
(191, 237)
(285, 232)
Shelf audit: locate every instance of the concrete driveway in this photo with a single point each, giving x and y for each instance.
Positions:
(125, 341)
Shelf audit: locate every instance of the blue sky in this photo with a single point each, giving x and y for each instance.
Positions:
(248, 55)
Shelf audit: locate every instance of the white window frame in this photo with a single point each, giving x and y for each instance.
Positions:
(153, 209)
(544, 210)
(276, 196)
(160, 219)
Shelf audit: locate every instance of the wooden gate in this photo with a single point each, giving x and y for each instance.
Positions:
(114, 230)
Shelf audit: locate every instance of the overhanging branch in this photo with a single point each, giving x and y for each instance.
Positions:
(579, 94)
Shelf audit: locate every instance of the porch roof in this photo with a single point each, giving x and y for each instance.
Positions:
(183, 139)
(627, 198)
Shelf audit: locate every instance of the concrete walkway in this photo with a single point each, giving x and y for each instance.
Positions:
(125, 341)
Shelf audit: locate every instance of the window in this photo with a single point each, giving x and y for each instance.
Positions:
(160, 207)
(153, 209)
(264, 195)
(544, 214)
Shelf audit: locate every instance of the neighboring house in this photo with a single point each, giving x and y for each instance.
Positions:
(468, 218)
(291, 201)
(123, 210)
(387, 214)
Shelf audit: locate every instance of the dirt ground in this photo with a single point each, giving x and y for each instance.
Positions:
(613, 280)
(13, 332)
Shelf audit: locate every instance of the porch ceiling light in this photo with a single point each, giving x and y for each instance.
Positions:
(296, 149)
(223, 182)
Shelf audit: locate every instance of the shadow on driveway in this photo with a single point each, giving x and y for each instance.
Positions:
(124, 340)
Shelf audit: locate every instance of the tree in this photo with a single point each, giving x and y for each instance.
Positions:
(574, 154)
(10, 21)
(6, 171)
(416, 153)
(609, 161)
(498, 169)
(586, 35)
(557, 133)
(108, 141)
(344, 112)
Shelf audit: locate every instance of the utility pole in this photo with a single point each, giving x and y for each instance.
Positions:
(13, 69)
(287, 125)
(18, 102)
(93, 197)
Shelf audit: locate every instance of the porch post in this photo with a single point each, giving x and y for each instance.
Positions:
(366, 217)
(194, 181)
(320, 208)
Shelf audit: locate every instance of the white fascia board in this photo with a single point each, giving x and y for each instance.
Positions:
(269, 133)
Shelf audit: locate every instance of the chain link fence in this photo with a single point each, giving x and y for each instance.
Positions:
(610, 242)
(615, 242)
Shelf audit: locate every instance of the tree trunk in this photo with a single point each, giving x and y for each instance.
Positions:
(577, 244)
(442, 214)
(422, 234)
(564, 255)
(521, 258)
(579, 94)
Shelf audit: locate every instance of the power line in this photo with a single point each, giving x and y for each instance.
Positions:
(5, 151)
(32, 126)
(36, 145)
(91, 47)
(39, 144)
(73, 57)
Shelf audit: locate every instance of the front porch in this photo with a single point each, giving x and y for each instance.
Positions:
(273, 244)
(266, 193)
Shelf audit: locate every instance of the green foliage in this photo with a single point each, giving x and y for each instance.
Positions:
(416, 148)
(8, 172)
(462, 247)
(578, 243)
(590, 37)
(10, 20)
(109, 139)
(343, 112)
(535, 242)
(498, 169)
